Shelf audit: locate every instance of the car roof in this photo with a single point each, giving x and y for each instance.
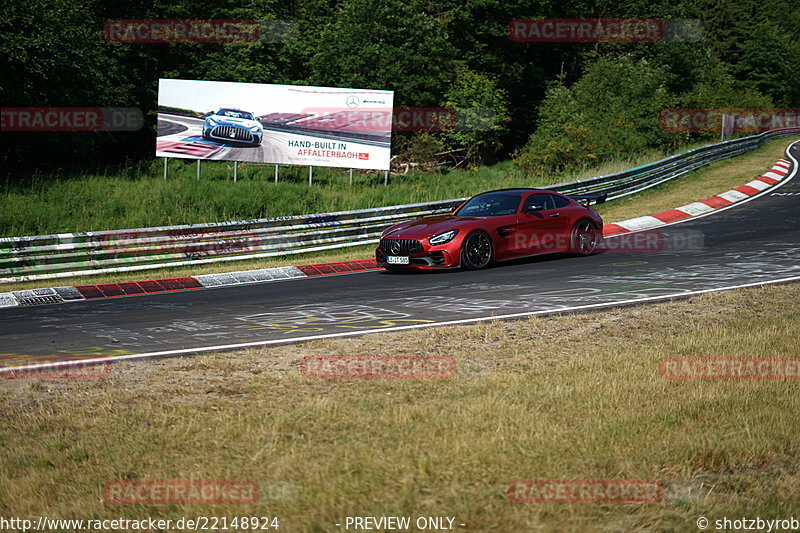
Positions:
(516, 190)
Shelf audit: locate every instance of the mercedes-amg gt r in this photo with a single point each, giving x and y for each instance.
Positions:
(494, 226)
(233, 125)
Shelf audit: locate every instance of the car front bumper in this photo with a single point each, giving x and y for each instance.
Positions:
(421, 255)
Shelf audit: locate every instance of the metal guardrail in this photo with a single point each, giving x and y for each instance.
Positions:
(76, 254)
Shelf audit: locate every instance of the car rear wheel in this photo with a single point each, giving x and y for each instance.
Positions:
(584, 238)
(476, 251)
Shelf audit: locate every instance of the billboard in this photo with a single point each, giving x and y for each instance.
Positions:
(283, 124)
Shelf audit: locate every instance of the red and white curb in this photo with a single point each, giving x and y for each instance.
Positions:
(775, 176)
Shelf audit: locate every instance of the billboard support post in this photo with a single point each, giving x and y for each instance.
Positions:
(165, 169)
(235, 170)
(351, 176)
(198, 169)
(310, 174)
(386, 178)
(276, 173)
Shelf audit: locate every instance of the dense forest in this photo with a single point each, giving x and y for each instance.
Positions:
(552, 105)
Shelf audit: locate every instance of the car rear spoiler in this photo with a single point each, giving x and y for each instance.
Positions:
(589, 199)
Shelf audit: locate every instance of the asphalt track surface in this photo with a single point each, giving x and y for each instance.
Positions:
(754, 242)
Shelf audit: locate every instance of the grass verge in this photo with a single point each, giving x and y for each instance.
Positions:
(562, 397)
(136, 195)
(713, 179)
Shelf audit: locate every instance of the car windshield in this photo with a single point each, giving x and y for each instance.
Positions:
(234, 114)
(490, 205)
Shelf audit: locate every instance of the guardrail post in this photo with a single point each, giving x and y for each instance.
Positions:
(235, 170)
(276, 173)
(351, 176)
(198, 169)
(386, 178)
(310, 174)
(165, 169)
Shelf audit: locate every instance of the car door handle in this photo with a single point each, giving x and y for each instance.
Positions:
(506, 231)
(555, 215)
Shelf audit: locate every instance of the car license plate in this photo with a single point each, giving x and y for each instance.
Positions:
(397, 260)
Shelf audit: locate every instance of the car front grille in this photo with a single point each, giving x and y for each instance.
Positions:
(401, 246)
(231, 132)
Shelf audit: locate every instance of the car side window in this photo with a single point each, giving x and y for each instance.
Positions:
(545, 202)
(559, 201)
(539, 202)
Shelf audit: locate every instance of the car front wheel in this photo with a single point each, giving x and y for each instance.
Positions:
(584, 238)
(476, 251)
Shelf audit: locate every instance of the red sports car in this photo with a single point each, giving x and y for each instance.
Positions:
(494, 226)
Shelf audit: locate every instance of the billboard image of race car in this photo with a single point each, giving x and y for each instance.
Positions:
(494, 226)
(233, 126)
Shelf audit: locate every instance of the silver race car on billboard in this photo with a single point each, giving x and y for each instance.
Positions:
(233, 126)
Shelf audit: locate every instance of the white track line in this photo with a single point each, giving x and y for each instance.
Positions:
(225, 347)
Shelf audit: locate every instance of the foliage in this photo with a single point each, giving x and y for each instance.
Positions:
(430, 52)
(613, 109)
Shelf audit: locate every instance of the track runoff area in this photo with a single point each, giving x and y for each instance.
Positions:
(751, 242)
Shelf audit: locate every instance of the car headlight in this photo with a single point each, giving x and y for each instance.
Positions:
(255, 129)
(443, 238)
(211, 122)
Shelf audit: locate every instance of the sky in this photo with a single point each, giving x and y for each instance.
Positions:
(261, 99)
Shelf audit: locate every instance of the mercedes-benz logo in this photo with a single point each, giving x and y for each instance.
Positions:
(395, 247)
(353, 101)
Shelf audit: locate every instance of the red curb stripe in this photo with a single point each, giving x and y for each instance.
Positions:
(716, 202)
(151, 286)
(748, 190)
(671, 215)
(111, 290)
(340, 267)
(613, 229)
(768, 180)
(89, 291)
(131, 288)
(781, 173)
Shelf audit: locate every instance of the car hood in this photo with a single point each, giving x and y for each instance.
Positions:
(231, 121)
(426, 227)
